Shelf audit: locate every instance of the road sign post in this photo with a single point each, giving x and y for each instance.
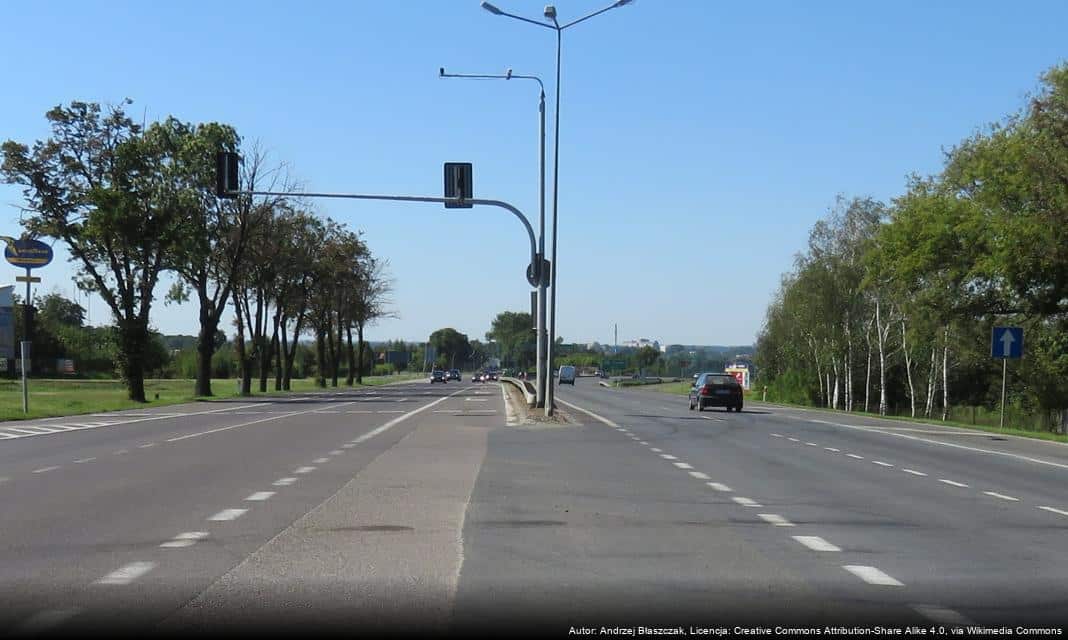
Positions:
(29, 254)
(1006, 343)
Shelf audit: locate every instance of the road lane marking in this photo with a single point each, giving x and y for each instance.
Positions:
(1052, 510)
(347, 445)
(811, 444)
(952, 482)
(643, 442)
(391, 411)
(832, 449)
(127, 574)
(46, 469)
(305, 470)
(881, 463)
(793, 440)
(853, 455)
(941, 615)
(320, 460)
(187, 539)
(775, 519)
(777, 435)
(699, 475)
(655, 450)
(359, 411)
(336, 452)
(1002, 496)
(284, 482)
(719, 486)
(816, 543)
(871, 575)
(83, 460)
(915, 473)
(682, 465)
(251, 422)
(44, 620)
(259, 496)
(146, 445)
(668, 456)
(228, 514)
(121, 451)
(746, 502)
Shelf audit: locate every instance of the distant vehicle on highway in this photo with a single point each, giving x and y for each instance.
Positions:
(438, 375)
(477, 377)
(567, 375)
(454, 374)
(493, 375)
(716, 389)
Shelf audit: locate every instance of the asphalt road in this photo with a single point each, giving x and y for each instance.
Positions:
(416, 507)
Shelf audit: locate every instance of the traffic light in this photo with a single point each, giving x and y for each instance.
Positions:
(458, 184)
(226, 174)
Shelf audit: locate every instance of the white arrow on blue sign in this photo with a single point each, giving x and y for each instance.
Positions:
(1006, 342)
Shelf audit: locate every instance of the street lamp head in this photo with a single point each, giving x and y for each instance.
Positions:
(492, 9)
(441, 71)
(508, 75)
(550, 12)
(622, 3)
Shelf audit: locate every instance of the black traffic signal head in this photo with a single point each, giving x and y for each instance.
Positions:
(226, 174)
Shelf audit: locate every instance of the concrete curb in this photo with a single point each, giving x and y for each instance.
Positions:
(526, 387)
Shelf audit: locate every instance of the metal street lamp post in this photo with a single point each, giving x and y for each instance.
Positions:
(542, 367)
(550, 13)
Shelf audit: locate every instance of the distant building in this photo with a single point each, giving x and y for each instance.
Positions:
(642, 342)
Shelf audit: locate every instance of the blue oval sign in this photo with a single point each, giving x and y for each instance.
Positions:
(29, 254)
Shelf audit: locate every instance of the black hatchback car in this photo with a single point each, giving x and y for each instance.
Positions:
(437, 375)
(716, 390)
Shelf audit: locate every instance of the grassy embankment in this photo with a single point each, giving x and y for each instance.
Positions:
(70, 397)
(682, 388)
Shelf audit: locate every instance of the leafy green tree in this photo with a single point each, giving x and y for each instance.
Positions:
(451, 346)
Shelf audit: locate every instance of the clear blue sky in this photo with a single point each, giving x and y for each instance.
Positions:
(699, 140)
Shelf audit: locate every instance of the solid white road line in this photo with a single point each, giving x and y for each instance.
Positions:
(853, 455)
(668, 456)
(305, 470)
(871, 575)
(228, 514)
(284, 482)
(699, 475)
(1002, 496)
(881, 464)
(127, 574)
(1052, 510)
(719, 486)
(46, 469)
(775, 519)
(746, 502)
(187, 539)
(832, 449)
(320, 460)
(952, 482)
(915, 473)
(941, 615)
(259, 496)
(816, 543)
(399, 419)
(682, 465)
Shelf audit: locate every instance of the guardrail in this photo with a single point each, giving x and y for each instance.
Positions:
(530, 393)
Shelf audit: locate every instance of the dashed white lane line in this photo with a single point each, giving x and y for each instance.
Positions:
(699, 475)
(914, 472)
(816, 543)
(391, 411)
(953, 482)
(941, 615)
(187, 539)
(793, 440)
(719, 486)
(336, 452)
(668, 456)
(320, 460)
(259, 496)
(643, 442)
(1001, 495)
(347, 445)
(871, 575)
(84, 460)
(284, 482)
(122, 451)
(775, 519)
(146, 445)
(46, 469)
(359, 412)
(881, 463)
(746, 502)
(655, 450)
(777, 435)
(682, 465)
(832, 449)
(305, 470)
(228, 514)
(811, 444)
(853, 455)
(45, 620)
(127, 574)
(1053, 510)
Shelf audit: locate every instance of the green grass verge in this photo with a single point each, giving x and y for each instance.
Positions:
(682, 388)
(49, 398)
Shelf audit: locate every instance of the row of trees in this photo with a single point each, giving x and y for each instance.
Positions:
(133, 201)
(892, 306)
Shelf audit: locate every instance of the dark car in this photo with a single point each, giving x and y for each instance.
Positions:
(493, 375)
(478, 377)
(716, 390)
(437, 375)
(454, 374)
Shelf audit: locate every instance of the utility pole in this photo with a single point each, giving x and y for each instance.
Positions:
(615, 338)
